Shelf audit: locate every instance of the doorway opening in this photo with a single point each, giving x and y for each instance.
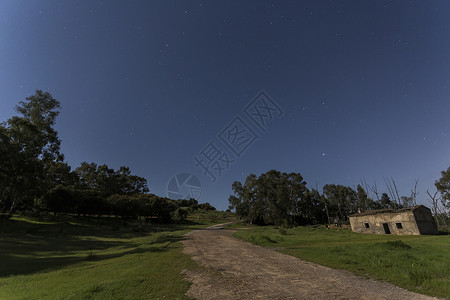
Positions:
(386, 228)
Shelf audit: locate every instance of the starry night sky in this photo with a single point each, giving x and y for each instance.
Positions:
(364, 86)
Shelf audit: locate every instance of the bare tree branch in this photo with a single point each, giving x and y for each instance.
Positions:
(374, 190)
(436, 209)
(414, 191)
(396, 190)
(390, 188)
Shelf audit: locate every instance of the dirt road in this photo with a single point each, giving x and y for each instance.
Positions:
(234, 269)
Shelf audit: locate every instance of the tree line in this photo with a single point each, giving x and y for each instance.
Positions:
(284, 199)
(35, 177)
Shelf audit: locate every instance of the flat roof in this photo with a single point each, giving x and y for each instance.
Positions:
(386, 210)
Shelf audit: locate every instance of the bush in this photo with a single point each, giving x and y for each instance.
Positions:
(180, 215)
(397, 245)
(59, 199)
(282, 231)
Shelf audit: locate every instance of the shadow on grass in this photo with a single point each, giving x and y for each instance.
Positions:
(27, 247)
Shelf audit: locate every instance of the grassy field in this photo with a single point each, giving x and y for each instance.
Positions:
(75, 258)
(417, 263)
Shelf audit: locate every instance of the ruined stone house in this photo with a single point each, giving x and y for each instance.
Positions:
(412, 220)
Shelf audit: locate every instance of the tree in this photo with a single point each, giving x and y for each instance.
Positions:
(146, 206)
(130, 184)
(414, 193)
(9, 153)
(243, 200)
(386, 202)
(271, 198)
(59, 199)
(443, 186)
(30, 141)
(58, 173)
(33, 172)
(312, 209)
(108, 182)
(363, 199)
(163, 209)
(89, 202)
(206, 206)
(191, 203)
(393, 191)
(341, 201)
(122, 205)
(87, 176)
(407, 201)
(180, 215)
(437, 209)
(374, 190)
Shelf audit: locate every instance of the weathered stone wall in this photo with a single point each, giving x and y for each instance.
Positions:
(425, 221)
(375, 223)
(416, 221)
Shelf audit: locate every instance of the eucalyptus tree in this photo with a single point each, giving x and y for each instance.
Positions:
(243, 200)
(443, 186)
(364, 202)
(271, 198)
(341, 201)
(108, 181)
(30, 143)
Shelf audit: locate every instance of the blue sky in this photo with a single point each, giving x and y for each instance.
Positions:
(364, 85)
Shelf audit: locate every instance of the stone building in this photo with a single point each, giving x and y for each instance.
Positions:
(412, 220)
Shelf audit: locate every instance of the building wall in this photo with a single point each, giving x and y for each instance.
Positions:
(405, 220)
(425, 221)
(412, 222)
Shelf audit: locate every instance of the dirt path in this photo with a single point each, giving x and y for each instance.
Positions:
(235, 269)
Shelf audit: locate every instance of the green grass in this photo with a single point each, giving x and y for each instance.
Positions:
(76, 258)
(417, 263)
(239, 225)
(214, 216)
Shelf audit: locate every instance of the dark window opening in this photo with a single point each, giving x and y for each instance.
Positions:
(366, 225)
(399, 225)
